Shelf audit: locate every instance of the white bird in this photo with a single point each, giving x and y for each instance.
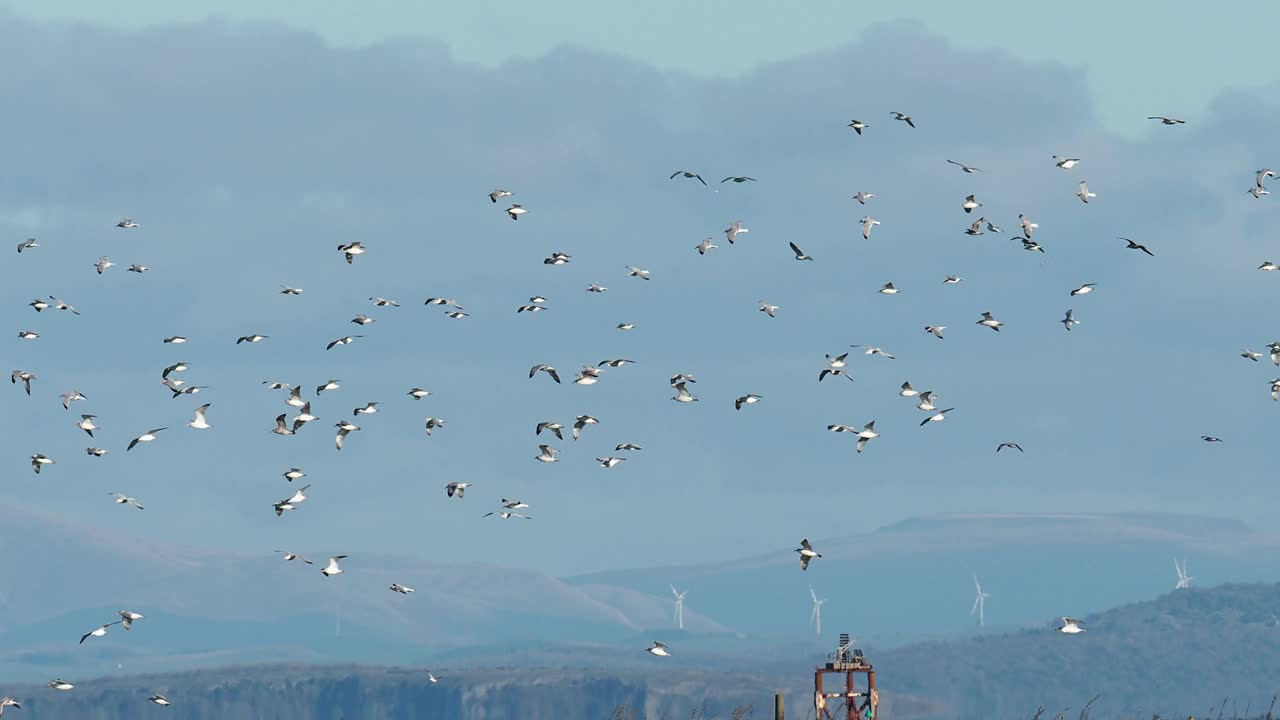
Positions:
(456, 488)
(27, 245)
(515, 211)
(1251, 355)
(626, 446)
(351, 250)
(432, 423)
(735, 229)
(873, 350)
(200, 421)
(282, 428)
(906, 390)
(102, 264)
(834, 372)
(596, 288)
(1268, 266)
(418, 393)
(1258, 191)
(965, 168)
(99, 631)
(96, 452)
(303, 417)
(550, 371)
(587, 375)
(888, 289)
(1071, 626)
(497, 195)
(926, 401)
(546, 454)
(331, 384)
(904, 118)
(867, 434)
(608, 462)
(127, 223)
(1027, 226)
(633, 271)
(289, 557)
(347, 340)
(86, 424)
(936, 417)
(159, 699)
(293, 473)
(361, 319)
(122, 499)
(552, 426)
(858, 126)
(581, 422)
(748, 399)
(768, 309)
(970, 203)
(1065, 163)
(60, 684)
(798, 252)
(975, 227)
(626, 326)
(136, 268)
(838, 361)
(953, 280)
(1084, 194)
(867, 223)
(557, 259)
(935, 330)
(807, 553)
(863, 197)
(332, 568)
(254, 338)
(988, 321)
(402, 589)
(145, 437)
(62, 305)
(1069, 321)
(683, 395)
(1166, 120)
(344, 429)
(616, 362)
(442, 301)
(658, 649)
(287, 290)
(71, 396)
(705, 245)
(38, 305)
(1084, 289)
(127, 618)
(1262, 175)
(514, 504)
(174, 340)
(24, 376)
(369, 409)
(431, 678)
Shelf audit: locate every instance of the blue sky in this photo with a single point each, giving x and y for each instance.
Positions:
(248, 152)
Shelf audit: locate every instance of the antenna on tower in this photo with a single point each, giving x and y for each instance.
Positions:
(679, 606)
(815, 617)
(979, 603)
(1184, 580)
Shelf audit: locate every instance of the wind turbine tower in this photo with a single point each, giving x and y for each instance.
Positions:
(679, 606)
(980, 603)
(1184, 580)
(815, 617)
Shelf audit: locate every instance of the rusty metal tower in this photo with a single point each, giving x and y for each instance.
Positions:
(854, 703)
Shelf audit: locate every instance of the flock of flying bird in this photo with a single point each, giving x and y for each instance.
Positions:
(295, 395)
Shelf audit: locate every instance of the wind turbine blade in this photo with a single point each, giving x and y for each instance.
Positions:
(976, 602)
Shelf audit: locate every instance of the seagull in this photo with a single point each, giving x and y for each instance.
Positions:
(748, 399)
(658, 649)
(251, 338)
(935, 330)
(282, 429)
(1135, 246)
(988, 321)
(60, 305)
(858, 126)
(873, 350)
(965, 168)
(734, 230)
(402, 589)
(344, 429)
(906, 390)
(608, 462)
(288, 557)
(863, 197)
(888, 289)
(159, 699)
(38, 304)
(514, 504)
(362, 319)
(1258, 191)
(383, 302)
(936, 417)
(98, 631)
(102, 264)
(1013, 445)
(200, 422)
(456, 488)
(41, 459)
(1027, 226)
(737, 179)
(926, 401)
(688, 174)
(1065, 163)
(555, 428)
(184, 391)
(867, 223)
(580, 422)
(904, 118)
(515, 211)
(86, 424)
(834, 372)
(704, 246)
(60, 684)
(174, 340)
(807, 553)
(432, 423)
(332, 568)
(546, 369)
(557, 258)
(351, 250)
(1274, 347)
(127, 223)
(1084, 289)
(975, 227)
(347, 340)
(295, 397)
(147, 436)
(1166, 120)
(27, 245)
(431, 678)
(25, 377)
(1210, 439)
(96, 452)
(953, 280)
(626, 326)
(1084, 194)
(838, 361)
(682, 377)
(1268, 266)
(286, 290)
(633, 271)
(1275, 390)
(616, 362)
(587, 375)
(1029, 245)
(867, 434)
(293, 473)
(136, 268)
(683, 395)
(970, 203)
(330, 385)
(303, 417)
(626, 447)
(799, 253)
(69, 397)
(127, 617)
(179, 366)
(418, 393)
(299, 496)
(596, 288)
(1251, 355)
(1069, 321)
(506, 515)
(530, 308)
(497, 195)
(546, 453)
(442, 301)
(768, 309)
(1071, 626)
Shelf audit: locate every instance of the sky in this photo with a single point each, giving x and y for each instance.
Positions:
(248, 151)
(1135, 63)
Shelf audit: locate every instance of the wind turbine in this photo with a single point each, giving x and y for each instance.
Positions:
(979, 603)
(679, 606)
(1184, 580)
(815, 617)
